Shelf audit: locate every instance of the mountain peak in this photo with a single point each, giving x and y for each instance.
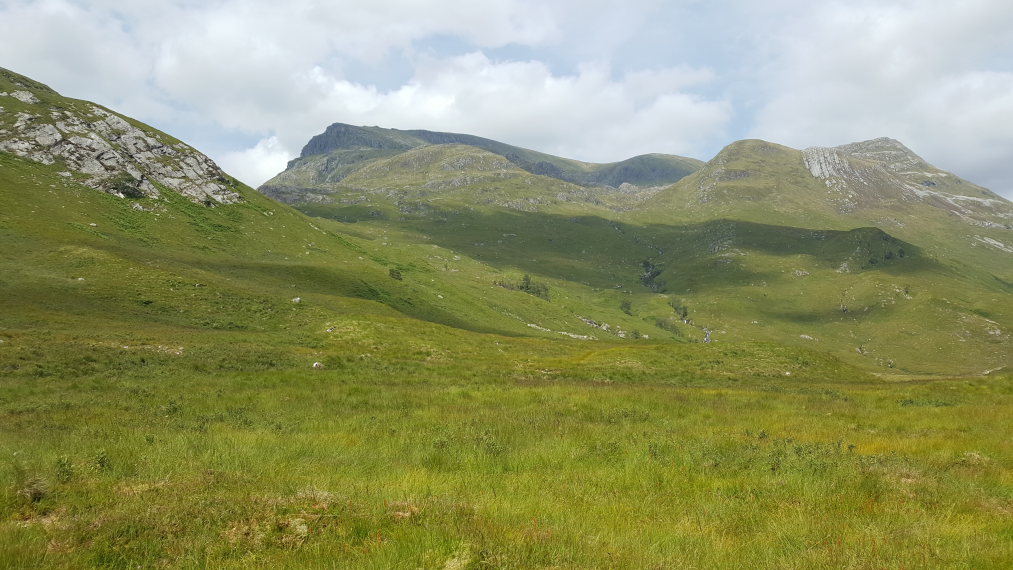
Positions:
(342, 136)
(891, 153)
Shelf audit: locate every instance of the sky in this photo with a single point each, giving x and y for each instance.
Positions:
(248, 82)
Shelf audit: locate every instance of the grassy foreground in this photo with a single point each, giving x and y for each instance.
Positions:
(479, 451)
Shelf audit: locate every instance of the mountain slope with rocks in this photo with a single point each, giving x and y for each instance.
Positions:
(864, 250)
(102, 149)
(878, 183)
(109, 225)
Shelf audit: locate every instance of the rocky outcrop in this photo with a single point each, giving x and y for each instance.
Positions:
(103, 150)
(846, 184)
(873, 172)
(890, 153)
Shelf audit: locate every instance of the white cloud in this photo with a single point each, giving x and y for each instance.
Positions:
(522, 103)
(58, 39)
(255, 165)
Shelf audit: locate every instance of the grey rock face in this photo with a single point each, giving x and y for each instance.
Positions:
(23, 96)
(886, 170)
(111, 154)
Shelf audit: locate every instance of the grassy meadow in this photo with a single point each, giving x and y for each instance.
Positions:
(483, 451)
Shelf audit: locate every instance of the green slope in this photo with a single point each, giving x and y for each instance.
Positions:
(459, 236)
(768, 183)
(88, 262)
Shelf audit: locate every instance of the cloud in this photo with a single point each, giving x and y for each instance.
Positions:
(278, 70)
(257, 164)
(63, 40)
(522, 103)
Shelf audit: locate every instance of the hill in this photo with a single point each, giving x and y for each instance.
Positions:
(113, 230)
(878, 183)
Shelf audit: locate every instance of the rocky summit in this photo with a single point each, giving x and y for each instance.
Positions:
(870, 167)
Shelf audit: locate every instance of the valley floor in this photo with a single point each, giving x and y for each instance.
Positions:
(512, 453)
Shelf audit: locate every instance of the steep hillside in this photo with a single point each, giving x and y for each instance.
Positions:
(874, 183)
(105, 218)
(100, 149)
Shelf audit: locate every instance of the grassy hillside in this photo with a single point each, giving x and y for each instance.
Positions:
(758, 181)
(861, 294)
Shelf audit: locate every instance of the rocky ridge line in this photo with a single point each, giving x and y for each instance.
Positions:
(104, 151)
(886, 163)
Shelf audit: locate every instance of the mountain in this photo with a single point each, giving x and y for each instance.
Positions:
(864, 250)
(878, 183)
(112, 229)
(114, 234)
(327, 168)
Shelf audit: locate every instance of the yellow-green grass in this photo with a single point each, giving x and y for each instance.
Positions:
(506, 455)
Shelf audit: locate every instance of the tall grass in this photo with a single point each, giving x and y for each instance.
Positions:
(482, 462)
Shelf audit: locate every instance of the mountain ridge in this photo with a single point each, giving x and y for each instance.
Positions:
(763, 233)
(644, 170)
(749, 248)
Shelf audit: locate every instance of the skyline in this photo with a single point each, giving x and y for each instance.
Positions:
(249, 82)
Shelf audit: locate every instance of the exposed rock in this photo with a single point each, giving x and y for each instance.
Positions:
(23, 96)
(110, 153)
(991, 242)
(893, 155)
(884, 172)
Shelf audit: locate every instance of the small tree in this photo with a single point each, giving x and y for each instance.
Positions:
(533, 287)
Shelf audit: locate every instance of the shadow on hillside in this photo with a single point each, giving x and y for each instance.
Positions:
(607, 254)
